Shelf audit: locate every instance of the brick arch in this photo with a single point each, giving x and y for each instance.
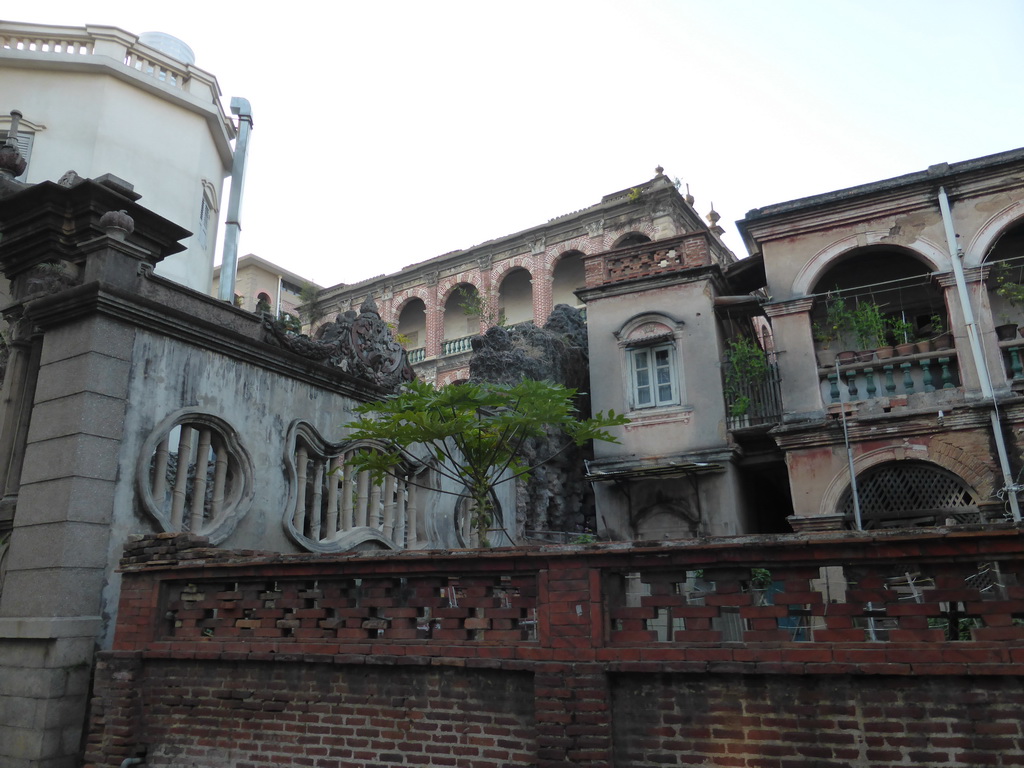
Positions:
(610, 236)
(555, 253)
(932, 254)
(989, 233)
(940, 451)
(400, 300)
(498, 271)
(446, 286)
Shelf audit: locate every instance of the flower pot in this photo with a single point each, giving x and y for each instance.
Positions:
(826, 358)
(943, 341)
(904, 349)
(884, 353)
(847, 357)
(923, 345)
(1006, 332)
(865, 355)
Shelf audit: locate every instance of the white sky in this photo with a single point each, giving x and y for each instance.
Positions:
(390, 132)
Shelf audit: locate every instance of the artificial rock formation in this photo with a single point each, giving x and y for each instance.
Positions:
(555, 499)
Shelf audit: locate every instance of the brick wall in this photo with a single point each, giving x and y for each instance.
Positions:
(893, 648)
(823, 721)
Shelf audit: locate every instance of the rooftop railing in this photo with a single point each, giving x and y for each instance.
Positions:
(112, 43)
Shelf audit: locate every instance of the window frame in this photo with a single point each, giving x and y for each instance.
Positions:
(634, 352)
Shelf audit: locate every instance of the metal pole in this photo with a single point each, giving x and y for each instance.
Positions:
(980, 365)
(849, 453)
(233, 225)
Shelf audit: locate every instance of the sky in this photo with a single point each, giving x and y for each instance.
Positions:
(386, 133)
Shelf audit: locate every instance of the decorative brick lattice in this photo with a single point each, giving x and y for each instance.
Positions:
(455, 610)
(934, 603)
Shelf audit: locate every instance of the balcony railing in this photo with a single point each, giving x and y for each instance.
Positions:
(457, 346)
(754, 403)
(417, 355)
(94, 41)
(893, 377)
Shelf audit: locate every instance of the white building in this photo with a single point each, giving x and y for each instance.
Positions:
(99, 100)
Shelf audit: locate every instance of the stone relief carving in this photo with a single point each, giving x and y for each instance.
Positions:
(360, 344)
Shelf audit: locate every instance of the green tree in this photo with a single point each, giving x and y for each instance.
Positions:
(474, 431)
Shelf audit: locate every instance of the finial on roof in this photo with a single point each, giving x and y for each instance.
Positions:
(713, 215)
(659, 171)
(369, 306)
(688, 197)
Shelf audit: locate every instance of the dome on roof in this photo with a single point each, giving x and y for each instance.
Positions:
(169, 45)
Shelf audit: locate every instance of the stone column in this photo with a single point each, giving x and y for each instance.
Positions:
(798, 365)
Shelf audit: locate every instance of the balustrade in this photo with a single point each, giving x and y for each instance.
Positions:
(332, 499)
(1013, 358)
(78, 42)
(457, 346)
(925, 372)
(417, 355)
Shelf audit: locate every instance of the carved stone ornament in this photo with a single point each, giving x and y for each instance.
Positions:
(359, 344)
(11, 161)
(117, 224)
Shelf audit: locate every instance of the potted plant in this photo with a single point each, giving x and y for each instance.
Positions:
(903, 332)
(1009, 288)
(869, 327)
(941, 339)
(745, 370)
(838, 321)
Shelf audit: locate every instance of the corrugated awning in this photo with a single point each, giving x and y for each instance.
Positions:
(653, 471)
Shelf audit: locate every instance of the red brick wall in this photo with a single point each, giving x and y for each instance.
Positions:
(589, 657)
(264, 715)
(825, 721)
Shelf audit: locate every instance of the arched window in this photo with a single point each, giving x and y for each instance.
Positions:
(568, 277)
(515, 297)
(1006, 279)
(653, 365)
(412, 326)
(909, 494)
(462, 311)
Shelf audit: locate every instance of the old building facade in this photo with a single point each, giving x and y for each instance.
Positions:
(930, 424)
(438, 305)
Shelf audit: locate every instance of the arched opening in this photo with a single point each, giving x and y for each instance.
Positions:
(909, 494)
(874, 298)
(462, 312)
(412, 325)
(515, 297)
(568, 277)
(263, 303)
(631, 238)
(1006, 280)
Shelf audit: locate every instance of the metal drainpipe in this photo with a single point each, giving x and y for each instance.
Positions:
(955, 256)
(233, 225)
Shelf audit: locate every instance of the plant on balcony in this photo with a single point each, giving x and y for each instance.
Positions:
(474, 431)
(746, 369)
(838, 321)
(869, 326)
(475, 304)
(903, 333)
(1008, 286)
